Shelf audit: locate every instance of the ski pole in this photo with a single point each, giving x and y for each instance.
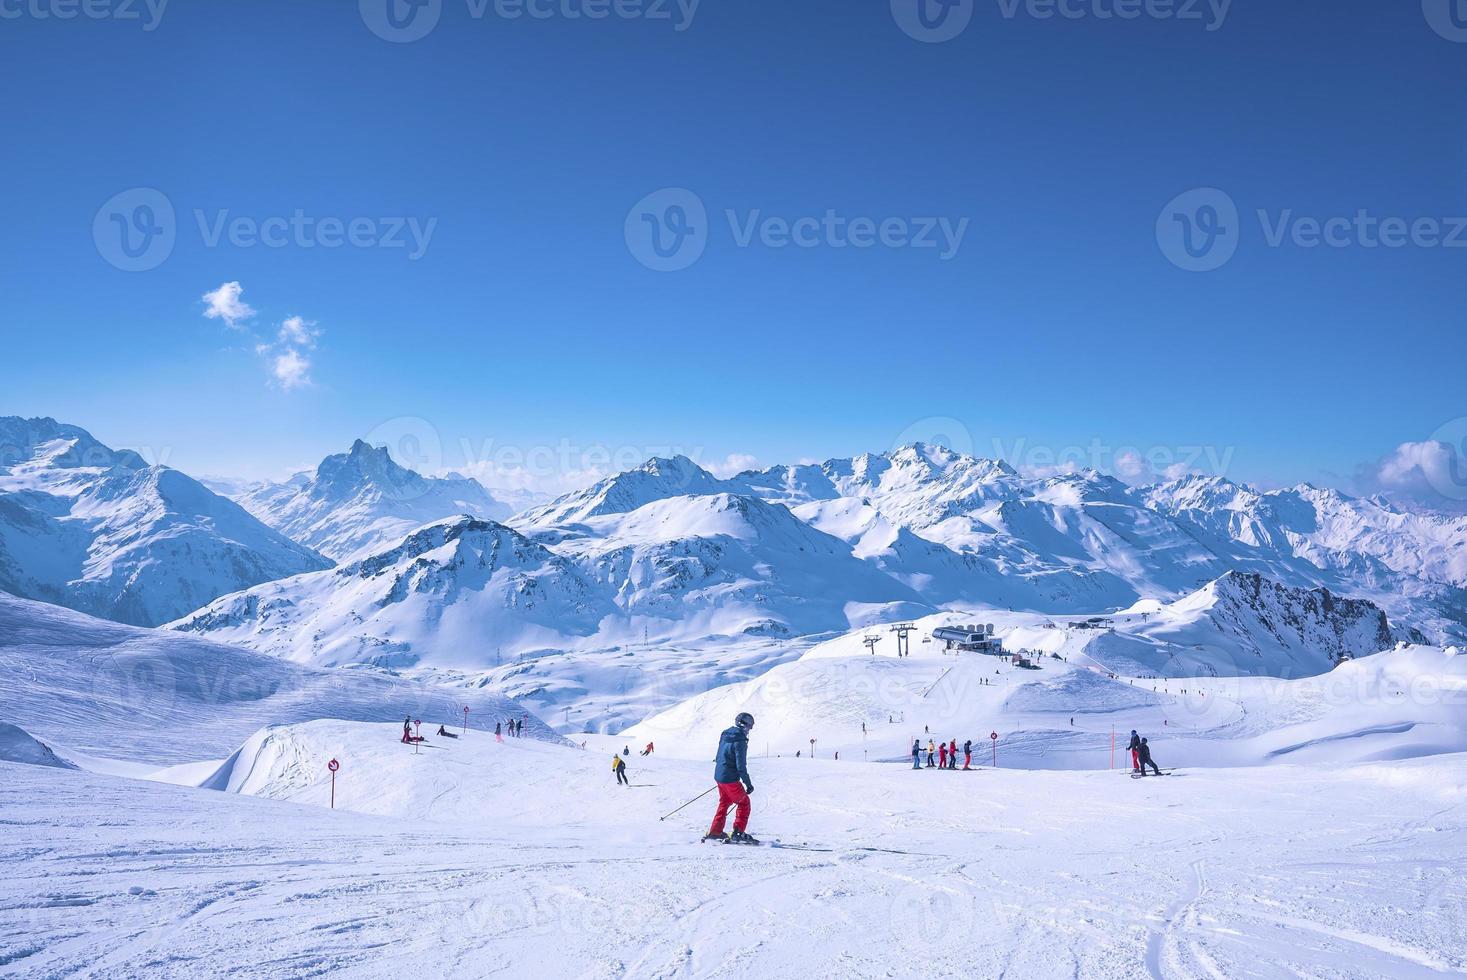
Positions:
(690, 802)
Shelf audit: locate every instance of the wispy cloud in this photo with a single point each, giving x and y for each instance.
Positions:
(291, 369)
(286, 354)
(225, 304)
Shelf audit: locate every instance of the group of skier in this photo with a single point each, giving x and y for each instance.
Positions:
(1141, 755)
(942, 755)
(514, 727)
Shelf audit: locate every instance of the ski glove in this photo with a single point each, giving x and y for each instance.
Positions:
(748, 787)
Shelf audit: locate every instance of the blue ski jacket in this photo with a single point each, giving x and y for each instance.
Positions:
(731, 764)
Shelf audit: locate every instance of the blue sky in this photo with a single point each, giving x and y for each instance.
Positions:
(1060, 319)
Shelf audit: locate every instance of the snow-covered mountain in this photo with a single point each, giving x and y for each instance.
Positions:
(1244, 624)
(361, 501)
(98, 530)
(980, 533)
(656, 479)
(449, 595)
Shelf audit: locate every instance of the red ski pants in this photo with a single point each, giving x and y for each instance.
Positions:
(731, 795)
(1135, 761)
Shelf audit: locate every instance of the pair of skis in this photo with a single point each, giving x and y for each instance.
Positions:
(1163, 772)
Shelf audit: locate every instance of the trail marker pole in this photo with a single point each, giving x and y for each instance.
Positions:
(1112, 747)
(466, 719)
(333, 765)
(994, 736)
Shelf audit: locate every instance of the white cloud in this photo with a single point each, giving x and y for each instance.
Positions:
(731, 465)
(1431, 473)
(224, 304)
(299, 332)
(291, 369)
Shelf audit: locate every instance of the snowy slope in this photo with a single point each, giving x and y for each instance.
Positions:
(100, 531)
(1402, 703)
(527, 860)
(18, 745)
(89, 686)
(361, 501)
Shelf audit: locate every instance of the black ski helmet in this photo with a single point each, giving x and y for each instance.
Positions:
(744, 720)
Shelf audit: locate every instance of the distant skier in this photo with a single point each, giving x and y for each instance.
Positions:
(968, 754)
(620, 768)
(916, 754)
(648, 749)
(952, 754)
(1135, 748)
(942, 756)
(497, 736)
(931, 753)
(730, 768)
(519, 728)
(1143, 752)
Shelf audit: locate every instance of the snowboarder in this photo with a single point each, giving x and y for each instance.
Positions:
(952, 754)
(1135, 748)
(916, 754)
(968, 754)
(942, 756)
(730, 768)
(407, 729)
(445, 732)
(1143, 752)
(620, 768)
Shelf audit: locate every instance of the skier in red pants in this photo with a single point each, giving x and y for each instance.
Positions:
(730, 769)
(1135, 748)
